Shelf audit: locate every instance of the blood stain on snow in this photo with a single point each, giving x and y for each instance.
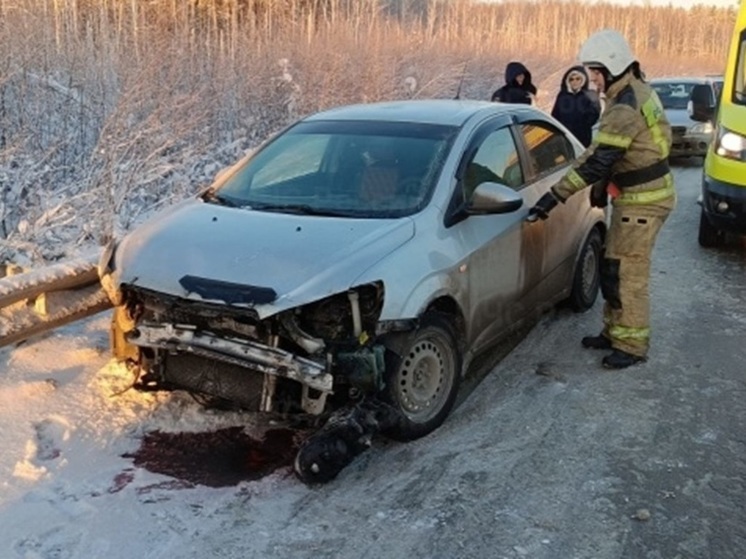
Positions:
(218, 458)
(121, 480)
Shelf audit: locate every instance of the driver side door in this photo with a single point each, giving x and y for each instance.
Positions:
(503, 253)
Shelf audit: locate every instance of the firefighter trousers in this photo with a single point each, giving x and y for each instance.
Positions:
(625, 275)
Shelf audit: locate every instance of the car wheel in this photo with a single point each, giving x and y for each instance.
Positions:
(709, 236)
(423, 377)
(587, 276)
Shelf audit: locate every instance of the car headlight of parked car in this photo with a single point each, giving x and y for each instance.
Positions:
(701, 128)
(730, 144)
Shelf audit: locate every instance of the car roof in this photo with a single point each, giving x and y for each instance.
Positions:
(449, 112)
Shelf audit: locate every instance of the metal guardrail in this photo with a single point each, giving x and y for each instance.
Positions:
(41, 300)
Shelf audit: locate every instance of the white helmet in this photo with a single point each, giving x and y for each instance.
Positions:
(607, 48)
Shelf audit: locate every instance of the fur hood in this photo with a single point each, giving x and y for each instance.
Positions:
(565, 85)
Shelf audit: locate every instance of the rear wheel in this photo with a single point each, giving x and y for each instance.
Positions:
(423, 377)
(587, 275)
(709, 236)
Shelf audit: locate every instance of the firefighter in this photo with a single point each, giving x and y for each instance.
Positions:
(629, 155)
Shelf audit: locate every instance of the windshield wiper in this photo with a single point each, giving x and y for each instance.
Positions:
(212, 196)
(300, 209)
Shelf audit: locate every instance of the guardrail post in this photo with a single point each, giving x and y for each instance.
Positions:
(40, 300)
(7, 270)
(41, 306)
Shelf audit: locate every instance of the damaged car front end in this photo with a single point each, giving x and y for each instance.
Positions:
(324, 360)
(291, 362)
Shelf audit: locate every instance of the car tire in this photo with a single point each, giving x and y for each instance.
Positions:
(709, 236)
(422, 378)
(587, 275)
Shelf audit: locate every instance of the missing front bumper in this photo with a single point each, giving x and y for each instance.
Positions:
(255, 357)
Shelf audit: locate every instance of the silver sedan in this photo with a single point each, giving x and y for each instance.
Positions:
(368, 251)
(689, 137)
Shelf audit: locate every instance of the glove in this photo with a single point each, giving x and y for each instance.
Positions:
(599, 196)
(543, 206)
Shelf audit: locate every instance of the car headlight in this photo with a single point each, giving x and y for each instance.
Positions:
(731, 145)
(701, 128)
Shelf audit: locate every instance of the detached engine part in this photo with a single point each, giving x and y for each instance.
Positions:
(347, 434)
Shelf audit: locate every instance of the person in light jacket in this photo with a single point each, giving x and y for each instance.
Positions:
(576, 106)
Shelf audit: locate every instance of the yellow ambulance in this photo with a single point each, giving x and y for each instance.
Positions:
(723, 198)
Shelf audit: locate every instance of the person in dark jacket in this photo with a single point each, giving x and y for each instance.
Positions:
(518, 87)
(576, 106)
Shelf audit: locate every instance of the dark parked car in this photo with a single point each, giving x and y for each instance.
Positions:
(690, 137)
(368, 251)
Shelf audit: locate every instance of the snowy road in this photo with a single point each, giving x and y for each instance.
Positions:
(551, 457)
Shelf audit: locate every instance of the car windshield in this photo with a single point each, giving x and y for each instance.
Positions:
(342, 168)
(673, 95)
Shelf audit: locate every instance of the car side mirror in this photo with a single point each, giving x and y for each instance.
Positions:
(701, 106)
(494, 198)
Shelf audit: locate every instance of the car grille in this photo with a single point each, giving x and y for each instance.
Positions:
(678, 130)
(216, 378)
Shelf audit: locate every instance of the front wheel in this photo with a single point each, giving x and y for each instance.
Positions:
(423, 377)
(587, 276)
(709, 236)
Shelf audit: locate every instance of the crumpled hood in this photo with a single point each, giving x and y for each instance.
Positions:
(302, 258)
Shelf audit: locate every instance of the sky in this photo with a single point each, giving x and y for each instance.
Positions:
(678, 3)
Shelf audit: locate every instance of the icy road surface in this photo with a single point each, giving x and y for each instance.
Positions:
(550, 457)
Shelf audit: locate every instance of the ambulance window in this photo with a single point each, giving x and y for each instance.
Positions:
(739, 87)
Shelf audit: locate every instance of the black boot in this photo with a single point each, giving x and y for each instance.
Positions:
(619, 359)
(596, 342)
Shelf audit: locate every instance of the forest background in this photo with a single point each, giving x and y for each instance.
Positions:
(111, 109)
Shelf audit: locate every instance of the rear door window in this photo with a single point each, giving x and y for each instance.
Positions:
(548, 148)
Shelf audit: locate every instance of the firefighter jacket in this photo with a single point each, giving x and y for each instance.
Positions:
(630, 149)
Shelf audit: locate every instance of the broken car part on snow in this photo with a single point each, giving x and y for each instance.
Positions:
(346, 434)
